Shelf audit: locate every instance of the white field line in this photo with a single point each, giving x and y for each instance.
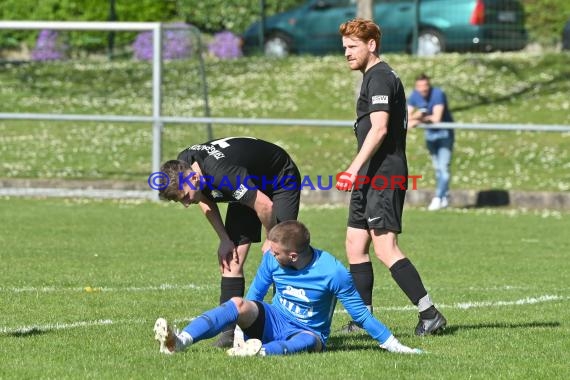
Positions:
(524, 301)
(72, 325)
(471, 305)
(54, 289)
(54, 326)
(104, 322)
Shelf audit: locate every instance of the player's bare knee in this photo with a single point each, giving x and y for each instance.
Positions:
(244, 306)
(236, 269)
(240, 303)
(356, 251)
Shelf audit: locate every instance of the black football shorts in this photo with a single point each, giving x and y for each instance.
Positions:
(376, 209)
(243, 225)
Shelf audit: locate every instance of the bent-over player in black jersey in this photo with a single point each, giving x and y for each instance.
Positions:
(378, 176)
(260, 182)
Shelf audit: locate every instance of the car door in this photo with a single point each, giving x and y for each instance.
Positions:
(396, 20)
(319, 27)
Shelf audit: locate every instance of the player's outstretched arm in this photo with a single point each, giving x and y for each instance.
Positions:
(352, 302)
(262, 280)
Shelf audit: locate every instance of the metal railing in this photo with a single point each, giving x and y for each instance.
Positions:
(268, 121)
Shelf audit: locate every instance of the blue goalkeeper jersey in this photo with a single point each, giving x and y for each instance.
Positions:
(307, 297)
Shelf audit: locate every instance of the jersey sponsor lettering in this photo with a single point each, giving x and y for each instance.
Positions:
(297, 293)
(240, 192)
(380, 99)
(210, 149)
(298, 310)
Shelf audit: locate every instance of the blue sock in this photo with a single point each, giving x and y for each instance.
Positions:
(212, 322)
(297, 343)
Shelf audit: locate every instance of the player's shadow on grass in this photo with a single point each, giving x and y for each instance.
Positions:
(362, 341)
(351, 342)
(452, 329)
(25, 333)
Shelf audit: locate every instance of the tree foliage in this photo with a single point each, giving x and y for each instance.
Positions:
(216, 15)
(545, 19)
(85, 10)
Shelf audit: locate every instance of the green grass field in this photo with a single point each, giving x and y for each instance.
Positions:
(83, 282)
(488, 88)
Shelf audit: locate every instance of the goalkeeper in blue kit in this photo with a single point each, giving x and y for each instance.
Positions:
(308, 282)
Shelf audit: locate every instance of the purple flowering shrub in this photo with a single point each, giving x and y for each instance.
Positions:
(225, 45)
(176, 44)
(49, 47)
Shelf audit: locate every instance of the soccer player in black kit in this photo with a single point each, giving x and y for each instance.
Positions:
(261, 184)
(375, 214)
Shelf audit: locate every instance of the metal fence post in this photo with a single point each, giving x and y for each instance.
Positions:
(416, 31)
(156, 99)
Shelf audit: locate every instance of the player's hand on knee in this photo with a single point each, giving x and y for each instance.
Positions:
(226, 254)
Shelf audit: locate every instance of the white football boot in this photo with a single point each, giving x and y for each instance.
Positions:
(165, 336)
(251, 347)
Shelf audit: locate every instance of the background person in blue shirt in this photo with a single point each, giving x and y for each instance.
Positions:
(428, 105)
(308, 282)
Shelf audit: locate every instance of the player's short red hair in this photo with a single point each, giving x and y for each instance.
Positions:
(363, 29)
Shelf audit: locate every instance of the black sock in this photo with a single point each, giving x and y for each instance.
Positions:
(408, 279)
(363, 277)
(231, 287)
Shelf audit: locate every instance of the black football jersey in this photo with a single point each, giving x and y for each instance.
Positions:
(234, 168)
(382, 90)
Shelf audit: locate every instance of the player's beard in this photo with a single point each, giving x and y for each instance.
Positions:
(360, 64)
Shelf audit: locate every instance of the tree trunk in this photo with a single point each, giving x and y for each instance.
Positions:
(364, 9)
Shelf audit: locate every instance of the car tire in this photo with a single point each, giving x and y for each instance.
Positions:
(430, 42)
(277, 45)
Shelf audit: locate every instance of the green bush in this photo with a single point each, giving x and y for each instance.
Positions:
(86, 10)
(209, 16)
(545, 19)
(216, 15)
